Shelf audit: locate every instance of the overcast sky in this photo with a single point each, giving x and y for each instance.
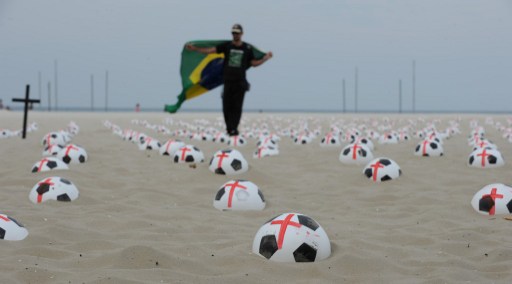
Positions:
(462, 50)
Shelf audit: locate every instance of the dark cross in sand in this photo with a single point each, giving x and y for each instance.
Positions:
(26, 100)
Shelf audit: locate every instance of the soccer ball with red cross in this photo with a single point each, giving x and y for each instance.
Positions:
(493, 199)
(356, 153)
(429, 148)
(188, 154)
(382, 169)
(239, 195)
(228, 162)
(292, 237)
(49, 164)
(53, 188)
(11, 230)
(72, 154)
(485, 158)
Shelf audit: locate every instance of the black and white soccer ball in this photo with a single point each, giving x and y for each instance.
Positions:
(11, 230)
(388, 138)
(54, 138)
(237, 141)
(188, 154)
(486, 158)
(429, 148)
(265, 151)
(72, 154)
(53, 188)
(149, 143)
(49, 164)
(264, 141)
(170, 147)
(220, 137)
(52, 150)
(382, 169)
(239, 195)
(493, 199)
(5, 133)
(363, 140)
(330, 139)
(302, 139)
(355, 154)
(228, 162)
(292, 237)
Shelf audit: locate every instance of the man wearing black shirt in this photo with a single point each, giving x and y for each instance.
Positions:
(238, 57)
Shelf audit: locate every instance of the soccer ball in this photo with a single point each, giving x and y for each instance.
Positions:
(53, 188)
(54, 138)
(220, 137)
(149, 143)
(486, 158)
(11, 230)
(265, 141)
(5, 133)
(48, 164)
(302, 139)
(292, 237)
(265, 151)
(72, 154)
(228, 162)
(170, 147)
(493, 199)
(484, 143)
(388, 138)
(364, 140)
(355, 154)
(52, 150)
(330, 139)
(188, 154)
(382, 169)
(237, 141)
(239, 195)
(429, 148)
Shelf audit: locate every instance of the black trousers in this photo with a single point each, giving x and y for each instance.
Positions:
(232, 104)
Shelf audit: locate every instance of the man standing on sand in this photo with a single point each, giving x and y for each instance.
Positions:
(238, 57)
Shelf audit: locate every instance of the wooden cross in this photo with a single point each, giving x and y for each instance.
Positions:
(26, 100)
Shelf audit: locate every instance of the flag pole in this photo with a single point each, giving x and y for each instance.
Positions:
(344, 96)
(106, 91)
(400, 96)
(56, 87)
(355, 90)
(414, 86)
(92, 92)
(49, 96)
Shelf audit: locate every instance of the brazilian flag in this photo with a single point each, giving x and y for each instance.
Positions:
(201, 73)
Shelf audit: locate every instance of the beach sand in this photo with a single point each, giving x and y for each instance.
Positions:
(140, 218)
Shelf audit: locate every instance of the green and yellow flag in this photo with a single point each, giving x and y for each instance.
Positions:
(201, 73)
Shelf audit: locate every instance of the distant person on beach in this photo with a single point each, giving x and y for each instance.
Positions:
(137, 107)
(238, 57)
(1, 104)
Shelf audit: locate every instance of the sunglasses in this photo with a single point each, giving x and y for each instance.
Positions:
(233, 33)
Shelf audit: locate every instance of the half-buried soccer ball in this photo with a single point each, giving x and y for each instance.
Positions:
(292, 237)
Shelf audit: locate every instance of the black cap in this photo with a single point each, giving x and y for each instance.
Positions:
(237, 28)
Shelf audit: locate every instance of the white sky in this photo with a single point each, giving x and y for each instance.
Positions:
(462, 50)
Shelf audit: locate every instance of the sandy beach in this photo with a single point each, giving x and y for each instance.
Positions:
(141, 218)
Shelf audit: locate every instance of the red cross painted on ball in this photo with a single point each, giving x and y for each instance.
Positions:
(494, 196)
(221, 157)
(483, 155)
(282, 229)
(234, 185)
(376, 168)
